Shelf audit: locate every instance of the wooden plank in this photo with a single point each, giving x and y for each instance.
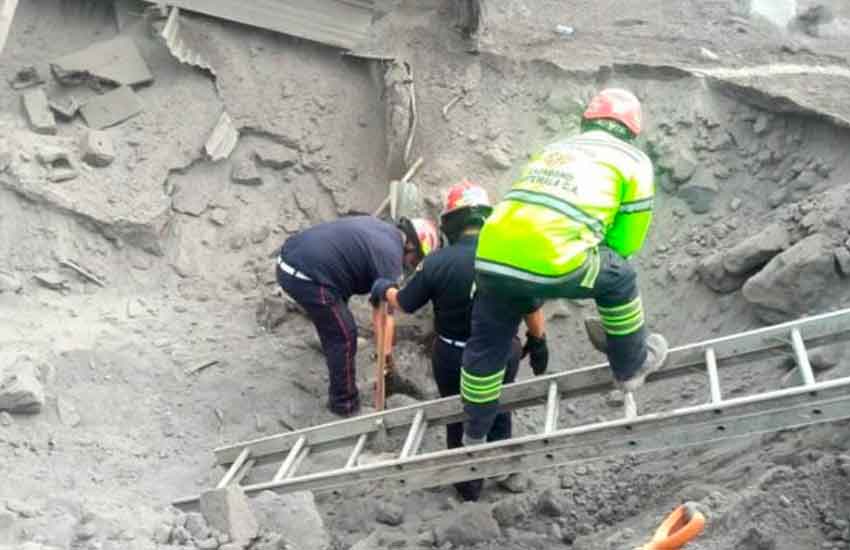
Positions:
(340, 23)
(684, 360)
(7, 13)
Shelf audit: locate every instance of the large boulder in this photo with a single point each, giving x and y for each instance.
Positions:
(757, 250)
(294, 516)
(795, 281)
(20, 389)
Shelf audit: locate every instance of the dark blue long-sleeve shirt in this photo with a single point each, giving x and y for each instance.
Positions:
(348, 254)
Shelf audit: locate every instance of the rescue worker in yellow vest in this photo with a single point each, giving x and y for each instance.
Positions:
(578, 210)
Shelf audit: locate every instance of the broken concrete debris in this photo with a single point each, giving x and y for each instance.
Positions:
(25, 77)
(67, 109)
(245, 172)
(111, 108)
(9, 282)
(60, 167)
(38, 112)
(227, 511)
(97, 148)
(178, 46)
(223, 138)
(20, 389)
(116, 61)
(274, 155)
(295, 516)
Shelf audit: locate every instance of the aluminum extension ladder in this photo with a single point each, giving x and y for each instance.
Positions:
(808, 402)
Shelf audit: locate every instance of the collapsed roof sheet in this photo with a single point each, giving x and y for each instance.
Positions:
(341, 23)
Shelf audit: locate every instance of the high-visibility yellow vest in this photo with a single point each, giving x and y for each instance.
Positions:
(570, 197)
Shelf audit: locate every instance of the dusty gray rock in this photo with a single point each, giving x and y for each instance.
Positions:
(245, 172)
(472, 523)
(842, 259)
(68, 414)
(219, 216)
(389, 514)
(227, 510)
(550, 504)
(274, 310)
(6, 419)
(38, 112)
(755, 251)
(294, 516)
(712, 273)
(9, 282)
(20, 389)
(699, 195)
(97, 148)
(162, 533)
(274, 155)
(681, 164)
(197, 526)
(497, 159)
(827, 357)
(511, 511)
(795, 281)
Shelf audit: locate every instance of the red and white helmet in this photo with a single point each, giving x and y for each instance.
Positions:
(465, 194)
(423, 233)
(616, 104)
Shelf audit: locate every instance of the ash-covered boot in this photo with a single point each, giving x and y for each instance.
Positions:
(655, 357)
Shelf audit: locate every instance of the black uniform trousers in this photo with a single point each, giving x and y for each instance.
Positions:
(501, 303)
(338, 334)
(445, 363)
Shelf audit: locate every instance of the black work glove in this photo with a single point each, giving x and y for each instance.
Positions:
(538, 353)
(379, 291)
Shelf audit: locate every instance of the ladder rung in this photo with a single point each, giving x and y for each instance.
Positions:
(291, 457)
(629, 405)
(713, 376)
(243, 471)
(802, 357)
(552, 408)
(295, 465)
(355, 452)
(413, 434)
(234, 468)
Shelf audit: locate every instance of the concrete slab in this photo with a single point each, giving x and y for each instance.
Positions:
(38, 112)
(341, 23)
(117, 60)
(111, 108)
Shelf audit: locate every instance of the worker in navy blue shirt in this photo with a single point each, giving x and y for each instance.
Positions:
(323, 266)
(446, 278)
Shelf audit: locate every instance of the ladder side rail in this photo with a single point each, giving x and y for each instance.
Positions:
(751, 346)
(446, 467)
(826, 401)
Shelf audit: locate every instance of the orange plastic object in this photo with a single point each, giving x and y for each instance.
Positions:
(683, 525)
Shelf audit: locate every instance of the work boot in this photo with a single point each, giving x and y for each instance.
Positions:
(655, 357)
(596, 333)
(344, 411)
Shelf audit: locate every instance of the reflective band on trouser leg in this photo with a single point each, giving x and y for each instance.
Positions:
(624, 319)
(481, 389)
